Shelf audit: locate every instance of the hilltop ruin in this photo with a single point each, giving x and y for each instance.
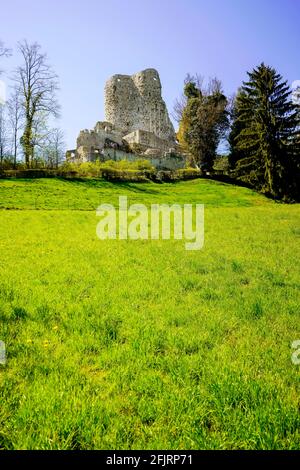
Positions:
(136, 126)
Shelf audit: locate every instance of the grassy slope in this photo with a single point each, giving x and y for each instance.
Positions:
(87, 194)
(140, 344)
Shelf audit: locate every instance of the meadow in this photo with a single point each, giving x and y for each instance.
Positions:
(141, 344)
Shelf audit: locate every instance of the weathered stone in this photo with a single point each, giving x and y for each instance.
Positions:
(147, 140)
(135, 103)
(137, 125)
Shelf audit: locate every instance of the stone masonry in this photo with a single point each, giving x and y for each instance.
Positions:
(135, 103)
(136, 126)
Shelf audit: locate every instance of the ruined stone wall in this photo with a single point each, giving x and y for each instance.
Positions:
(96, 138)
(147, 140)
(165, 162)
(93, 141)
(137, 125)
(135, 102)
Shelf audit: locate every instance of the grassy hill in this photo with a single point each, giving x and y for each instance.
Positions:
(142, 344)
(87, 194)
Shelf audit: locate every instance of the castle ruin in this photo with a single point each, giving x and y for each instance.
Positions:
(136, 126)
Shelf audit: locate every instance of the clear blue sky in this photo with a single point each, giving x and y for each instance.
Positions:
(87, 41)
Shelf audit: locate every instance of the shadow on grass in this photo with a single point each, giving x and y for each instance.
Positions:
(98, 183)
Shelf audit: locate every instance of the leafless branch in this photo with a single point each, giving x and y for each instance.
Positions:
(38, 84)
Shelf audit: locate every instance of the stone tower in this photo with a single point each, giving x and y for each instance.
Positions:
(137, 125)
(135, 103)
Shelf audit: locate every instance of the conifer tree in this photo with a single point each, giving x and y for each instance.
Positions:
(265, 133)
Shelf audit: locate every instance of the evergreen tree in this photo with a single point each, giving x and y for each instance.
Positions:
(236, 127)
(265, 134)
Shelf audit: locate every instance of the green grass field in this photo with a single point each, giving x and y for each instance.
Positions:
(142, 344)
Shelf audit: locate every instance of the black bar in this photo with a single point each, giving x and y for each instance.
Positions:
(150, 459)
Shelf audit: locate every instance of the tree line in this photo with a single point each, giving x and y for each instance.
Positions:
(25, 133)
(261, 125)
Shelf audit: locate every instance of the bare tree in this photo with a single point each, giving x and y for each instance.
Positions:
(3, 135)
(15, 117)
(40, 136)
(49, 143)
(52, 148)
(181, 102)
(214, 86)
(4, 52)
(56, 147)
(179, 105)
(38, 84)
(40, 131)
